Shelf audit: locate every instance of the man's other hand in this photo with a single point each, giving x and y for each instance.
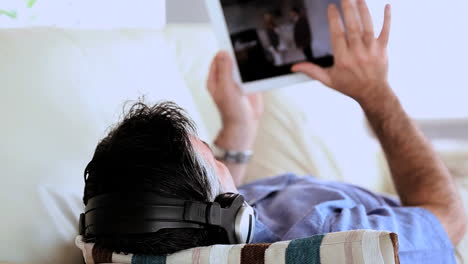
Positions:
(361, 64)
(240, 113)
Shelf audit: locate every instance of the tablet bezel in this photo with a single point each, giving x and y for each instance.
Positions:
(221, 30)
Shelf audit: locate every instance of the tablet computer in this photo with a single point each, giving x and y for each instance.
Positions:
(267, 37)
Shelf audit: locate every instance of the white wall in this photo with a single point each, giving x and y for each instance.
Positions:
(85, 13)
(428, 56)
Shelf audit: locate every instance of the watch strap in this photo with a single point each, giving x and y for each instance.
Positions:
(232, 156)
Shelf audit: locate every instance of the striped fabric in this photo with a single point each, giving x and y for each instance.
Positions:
(352, 247)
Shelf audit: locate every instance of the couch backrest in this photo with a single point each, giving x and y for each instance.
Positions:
(61, 90)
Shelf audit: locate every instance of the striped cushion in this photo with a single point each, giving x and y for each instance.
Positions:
(352, 247)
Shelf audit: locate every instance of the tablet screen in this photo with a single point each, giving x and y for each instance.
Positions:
(269, 36)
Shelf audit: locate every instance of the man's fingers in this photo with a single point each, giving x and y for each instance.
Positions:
(224, 67)
(367, 24)
(212, 75)
(385, 34)
(314, 71)
(353, 24)
(338, 37)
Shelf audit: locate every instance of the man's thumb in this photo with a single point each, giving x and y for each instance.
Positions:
(313, 71)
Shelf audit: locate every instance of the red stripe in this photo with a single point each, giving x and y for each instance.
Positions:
(394, 238)
(196, 256)
(101, 255)
(254, 254)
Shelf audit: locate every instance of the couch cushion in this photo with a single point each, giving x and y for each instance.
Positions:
(194, 46)
(358, 246)
(61, 91)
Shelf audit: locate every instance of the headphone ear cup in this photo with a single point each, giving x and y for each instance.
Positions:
(239, 219)
(245, 224)
(226, 200)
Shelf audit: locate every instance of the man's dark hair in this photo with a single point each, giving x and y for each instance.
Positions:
(151, 151)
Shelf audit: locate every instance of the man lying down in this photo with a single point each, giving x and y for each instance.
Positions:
(154, 188)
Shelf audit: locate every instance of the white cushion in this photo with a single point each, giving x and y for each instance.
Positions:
(61, 91)
(195, 45)
(288, 142)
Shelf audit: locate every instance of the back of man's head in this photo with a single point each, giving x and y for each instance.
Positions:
(151, 151)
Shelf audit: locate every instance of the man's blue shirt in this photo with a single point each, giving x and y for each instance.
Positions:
(291, 207)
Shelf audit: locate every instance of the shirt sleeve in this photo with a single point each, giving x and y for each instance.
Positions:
(421, 236)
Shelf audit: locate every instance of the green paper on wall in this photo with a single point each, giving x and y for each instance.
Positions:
(11, 14)
(31, 3)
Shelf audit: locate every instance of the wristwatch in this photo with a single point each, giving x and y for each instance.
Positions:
(232, 156)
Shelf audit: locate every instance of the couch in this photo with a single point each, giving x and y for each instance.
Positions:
(63, 89)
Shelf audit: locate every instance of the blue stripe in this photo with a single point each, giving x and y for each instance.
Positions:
(304, 251)
(148, 260)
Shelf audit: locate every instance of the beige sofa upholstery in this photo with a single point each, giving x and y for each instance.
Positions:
(61, 90)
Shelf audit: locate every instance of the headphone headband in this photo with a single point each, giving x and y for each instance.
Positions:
(141, 213)
(130, 198)
(146, 211)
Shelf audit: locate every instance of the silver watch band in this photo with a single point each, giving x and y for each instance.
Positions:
(232, 156)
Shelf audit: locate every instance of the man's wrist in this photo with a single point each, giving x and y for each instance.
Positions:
(383, 100)
(232, 156)
(236, 138)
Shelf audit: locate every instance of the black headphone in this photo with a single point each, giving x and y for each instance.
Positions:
(143, 213)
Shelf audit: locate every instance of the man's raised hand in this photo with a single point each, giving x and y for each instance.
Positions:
(240, 113)
(361, 63)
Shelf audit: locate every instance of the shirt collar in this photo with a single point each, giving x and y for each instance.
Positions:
(258, 190)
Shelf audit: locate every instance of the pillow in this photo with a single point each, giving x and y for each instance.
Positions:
(358, 247)
(61, 90)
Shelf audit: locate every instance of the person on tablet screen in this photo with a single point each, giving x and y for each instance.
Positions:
(271, 28)
(155, 149)
(302, 32)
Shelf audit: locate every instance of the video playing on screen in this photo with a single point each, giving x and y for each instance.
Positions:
(269, 36)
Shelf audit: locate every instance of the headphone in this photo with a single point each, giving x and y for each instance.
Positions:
(143, 213)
